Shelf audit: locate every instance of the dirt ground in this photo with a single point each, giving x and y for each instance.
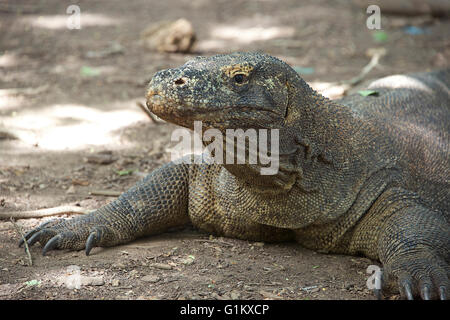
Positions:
(66, 96)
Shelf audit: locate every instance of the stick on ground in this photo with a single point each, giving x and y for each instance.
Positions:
(27, 250)
(376, 54)
(108, 193)
(44, 212)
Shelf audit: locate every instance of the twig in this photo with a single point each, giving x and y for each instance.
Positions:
(154, 118)
(27, 250)
(215, 242)
(108, 193)
(338, 89)
(44, 212)
(376, 54)
(25, 91)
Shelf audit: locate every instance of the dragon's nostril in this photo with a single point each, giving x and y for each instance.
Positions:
(180, 81)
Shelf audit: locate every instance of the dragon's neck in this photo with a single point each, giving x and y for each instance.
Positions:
(316, 129)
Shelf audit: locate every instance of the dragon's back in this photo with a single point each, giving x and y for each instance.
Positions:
(414, 110)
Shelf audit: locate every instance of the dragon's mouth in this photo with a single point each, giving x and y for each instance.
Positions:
(158, 104)
(181, 113)
(168, 109)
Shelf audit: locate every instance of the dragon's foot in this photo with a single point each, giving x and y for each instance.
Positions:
(72, 234)
(418, 274)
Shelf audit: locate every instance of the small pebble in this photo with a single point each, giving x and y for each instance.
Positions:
(151, 278)
(162, 266)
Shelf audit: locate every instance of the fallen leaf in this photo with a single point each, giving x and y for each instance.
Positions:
(80, 182)
(89, 72)
(366, 93)
(33, 283)
(124, 172)
(380, 36)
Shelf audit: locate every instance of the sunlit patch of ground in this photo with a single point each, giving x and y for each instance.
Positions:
(72, 126)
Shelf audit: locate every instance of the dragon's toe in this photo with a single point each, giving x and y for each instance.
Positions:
(421, 276)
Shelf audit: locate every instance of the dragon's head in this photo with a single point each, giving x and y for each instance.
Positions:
(239, 90)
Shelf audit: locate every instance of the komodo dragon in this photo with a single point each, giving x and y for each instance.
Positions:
(360, 176)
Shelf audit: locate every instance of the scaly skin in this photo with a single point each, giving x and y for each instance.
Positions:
(362, 175)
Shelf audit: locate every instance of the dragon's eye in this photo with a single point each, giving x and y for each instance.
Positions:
(239, 78)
